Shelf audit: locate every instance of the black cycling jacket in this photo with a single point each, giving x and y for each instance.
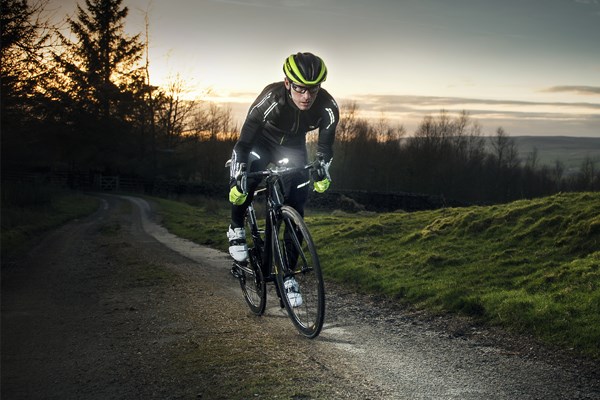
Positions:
(275, 116)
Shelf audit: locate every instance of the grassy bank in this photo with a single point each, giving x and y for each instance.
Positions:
(529, 266)
(29, 210)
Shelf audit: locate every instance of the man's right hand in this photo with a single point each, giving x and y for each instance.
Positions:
(236, 197)
(238, 191)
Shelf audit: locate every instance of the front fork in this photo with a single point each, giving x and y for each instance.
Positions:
(270, 237)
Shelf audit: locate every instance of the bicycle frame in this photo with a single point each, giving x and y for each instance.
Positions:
(274, 202)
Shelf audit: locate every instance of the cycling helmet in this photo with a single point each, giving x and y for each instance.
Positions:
(305, 69)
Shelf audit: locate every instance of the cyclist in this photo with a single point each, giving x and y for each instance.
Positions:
(275, 128)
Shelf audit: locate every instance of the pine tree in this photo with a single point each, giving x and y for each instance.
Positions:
(103, 82)
(24, 75)
(103, 64)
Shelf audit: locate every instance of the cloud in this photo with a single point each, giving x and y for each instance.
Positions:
(266, 3)
(242, 3)
(413, 102)
(521, 117)
(583, 90)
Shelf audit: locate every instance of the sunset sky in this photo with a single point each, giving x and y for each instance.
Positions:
(530, 66)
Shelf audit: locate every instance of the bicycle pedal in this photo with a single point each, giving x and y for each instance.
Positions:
(236, 272)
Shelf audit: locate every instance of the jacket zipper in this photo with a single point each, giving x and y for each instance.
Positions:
(297, 126)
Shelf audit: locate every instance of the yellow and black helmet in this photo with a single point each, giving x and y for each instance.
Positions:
(305, 69)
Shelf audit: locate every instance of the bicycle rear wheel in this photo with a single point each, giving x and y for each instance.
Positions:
(296, 257)
(252, 282)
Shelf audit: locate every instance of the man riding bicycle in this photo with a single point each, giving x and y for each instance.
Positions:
(276, 128)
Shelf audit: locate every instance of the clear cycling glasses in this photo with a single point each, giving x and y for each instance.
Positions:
(304, 89)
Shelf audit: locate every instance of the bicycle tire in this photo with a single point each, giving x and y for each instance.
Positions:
(309, 316)
(252, 282)
(253, 286)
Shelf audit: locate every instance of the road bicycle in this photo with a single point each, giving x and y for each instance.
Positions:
(279, 249)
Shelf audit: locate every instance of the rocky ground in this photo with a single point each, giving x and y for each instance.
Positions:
(114, 307)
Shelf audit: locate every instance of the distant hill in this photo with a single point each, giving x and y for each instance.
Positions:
(571, 151)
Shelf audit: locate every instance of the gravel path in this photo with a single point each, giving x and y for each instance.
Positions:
(90, 313)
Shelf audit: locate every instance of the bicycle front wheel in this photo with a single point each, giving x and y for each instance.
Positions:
(299, 276)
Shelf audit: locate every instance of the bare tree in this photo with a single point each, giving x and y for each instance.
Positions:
(173, 114)
(505, 149)
(558, 173)
(213, 122)
(587, 177)
(532, 160)
(347, 124)
(386, 133)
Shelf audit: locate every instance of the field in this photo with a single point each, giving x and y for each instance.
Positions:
(571, 151)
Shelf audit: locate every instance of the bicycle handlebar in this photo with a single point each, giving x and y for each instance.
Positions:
(280, 171)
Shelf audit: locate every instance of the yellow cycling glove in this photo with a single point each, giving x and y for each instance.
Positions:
(322, 186)
(236, 197)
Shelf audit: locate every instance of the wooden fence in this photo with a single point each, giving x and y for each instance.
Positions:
(351, 201)
(77, 180)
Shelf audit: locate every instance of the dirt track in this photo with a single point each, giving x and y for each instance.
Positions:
(114, 307)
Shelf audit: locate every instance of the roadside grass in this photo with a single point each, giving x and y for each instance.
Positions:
(200, 219)
(31, 209)
(531, 266)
